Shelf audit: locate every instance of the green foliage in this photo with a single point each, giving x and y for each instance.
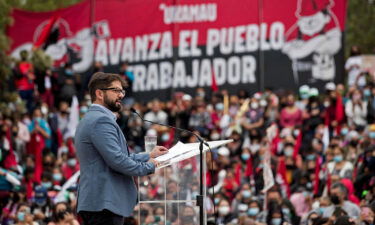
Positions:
(46, 5)
(5, 69)
(360, 29)
(39, 58)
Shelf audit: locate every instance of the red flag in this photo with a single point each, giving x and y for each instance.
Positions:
(237, 173)
(249, 168)
(339, 112)
(10, 160)
(208, 178)
(297, 145)
(70, 145)
(214, 86)
(38, 144)
(339, 109)
(60, 139)
(282, 172)
(29, 189)
(275, 143)
(317, 172)
(47, 30)
(35, 147)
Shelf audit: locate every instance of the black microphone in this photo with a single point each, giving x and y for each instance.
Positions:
(176, 128)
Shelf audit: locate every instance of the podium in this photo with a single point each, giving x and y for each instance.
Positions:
(168, 197)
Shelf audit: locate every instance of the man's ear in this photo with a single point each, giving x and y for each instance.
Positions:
(99, 94)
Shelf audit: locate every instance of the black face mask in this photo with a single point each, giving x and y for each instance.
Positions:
(335, 199)
(353, 143)
(371, 163)
(290, 167)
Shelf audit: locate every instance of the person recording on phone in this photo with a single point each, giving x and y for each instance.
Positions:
(107, 192)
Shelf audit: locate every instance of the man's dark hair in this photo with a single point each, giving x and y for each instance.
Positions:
(102, 80)
(342, 188)
(344, 220)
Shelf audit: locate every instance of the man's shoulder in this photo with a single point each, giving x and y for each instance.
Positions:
(351, 206)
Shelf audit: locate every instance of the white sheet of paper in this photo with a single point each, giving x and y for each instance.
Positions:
(183, 151)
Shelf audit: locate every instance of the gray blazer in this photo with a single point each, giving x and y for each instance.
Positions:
(107, 167)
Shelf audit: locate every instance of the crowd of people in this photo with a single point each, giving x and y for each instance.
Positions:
(319, 144)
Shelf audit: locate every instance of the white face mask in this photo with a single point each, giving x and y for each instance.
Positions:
(44, 110)
(165, 137)
(263, 103)
(254, 105)
(242, 207)
(143, 190)
(224, 210)
(254, 148)
(215, 136)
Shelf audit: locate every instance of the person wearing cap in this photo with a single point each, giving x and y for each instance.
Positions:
(304, 97)
(106, 191)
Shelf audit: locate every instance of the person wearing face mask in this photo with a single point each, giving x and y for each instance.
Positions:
(40, 138)
(24, 216)
(289, 212)
(339, 166)
(338, 196)
(255, 212)
(239, 203)
(356, 110)
(69, 84)
(217, 113)
(253, 119)
(47, 180)
(40, 126)
(224, 212)
(70, 167)
(42, 204)
(188, 216)
(62, 215)
(275, 215)
(57, 177)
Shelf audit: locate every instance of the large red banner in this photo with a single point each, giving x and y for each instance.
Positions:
(180, 45)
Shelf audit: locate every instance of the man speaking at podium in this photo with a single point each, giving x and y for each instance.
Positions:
(107, 192)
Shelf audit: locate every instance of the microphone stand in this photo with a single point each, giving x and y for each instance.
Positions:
(200, 199)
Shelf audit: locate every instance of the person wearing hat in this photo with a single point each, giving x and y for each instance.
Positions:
(304, 99)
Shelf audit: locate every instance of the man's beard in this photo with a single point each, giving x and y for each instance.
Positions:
(112, 105)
